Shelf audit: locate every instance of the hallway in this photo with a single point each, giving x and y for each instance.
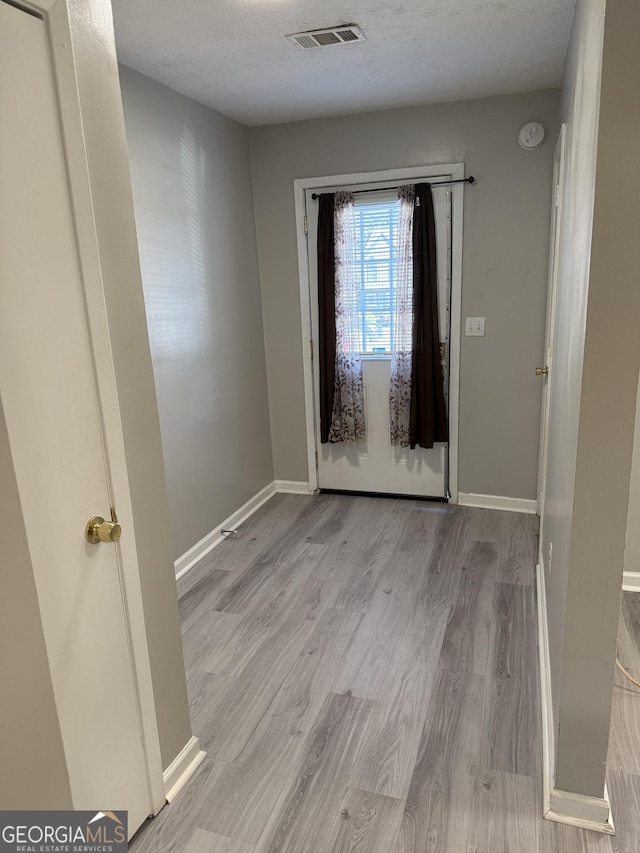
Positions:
(363, 675)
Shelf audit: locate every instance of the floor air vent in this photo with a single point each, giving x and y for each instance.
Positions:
(332, 35)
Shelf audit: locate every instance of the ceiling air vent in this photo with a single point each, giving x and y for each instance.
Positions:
(332, 35)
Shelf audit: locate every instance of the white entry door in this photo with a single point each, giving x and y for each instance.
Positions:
(49, 394)
(556, 221)
(375, 465)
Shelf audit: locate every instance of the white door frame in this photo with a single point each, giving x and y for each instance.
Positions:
(388, 177)
(69, 22)
(556, 224)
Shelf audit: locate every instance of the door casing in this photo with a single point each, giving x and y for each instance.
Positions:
(382, 179)
(414, 473)
(556, 224)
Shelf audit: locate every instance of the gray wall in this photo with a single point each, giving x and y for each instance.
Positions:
(506, 238)
(34, 771)
(191, 175)
(594, 384)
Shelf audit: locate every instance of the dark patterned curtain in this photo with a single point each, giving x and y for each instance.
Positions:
(428, 422)
(326, 311)
(347, 420)
(341, 388)
(418, 413)
(402, 332)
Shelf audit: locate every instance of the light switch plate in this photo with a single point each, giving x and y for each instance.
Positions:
(474, 327)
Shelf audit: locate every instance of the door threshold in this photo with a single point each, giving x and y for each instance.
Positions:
(382, 495)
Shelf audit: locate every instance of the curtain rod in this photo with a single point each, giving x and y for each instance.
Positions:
(469, 180)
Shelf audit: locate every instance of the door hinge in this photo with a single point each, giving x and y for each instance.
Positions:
(316, 458)
(311, 349)
(306, 225)
(443, 351)
(557, 195)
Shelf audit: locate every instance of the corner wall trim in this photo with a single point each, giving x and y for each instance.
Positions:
(578, 810)
(631, 582)
(183, 766)
(293, 487)
(498, 502)
(209, 542)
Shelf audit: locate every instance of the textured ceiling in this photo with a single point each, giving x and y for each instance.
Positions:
(232, 54)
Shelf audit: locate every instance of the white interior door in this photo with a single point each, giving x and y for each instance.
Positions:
(49, 394)
(375, 465)
(556, 219)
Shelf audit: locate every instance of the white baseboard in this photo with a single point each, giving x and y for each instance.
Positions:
(293, 487)
(592, 813)
(183, 766)
(631, 582)
(209, 542)
(497, 502)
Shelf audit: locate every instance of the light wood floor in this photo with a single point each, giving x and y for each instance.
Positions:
(363, 674)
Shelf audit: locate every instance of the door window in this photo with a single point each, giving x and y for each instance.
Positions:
(375, 255)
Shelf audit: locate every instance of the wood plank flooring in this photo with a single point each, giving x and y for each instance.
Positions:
(363, 674)
(624, 743)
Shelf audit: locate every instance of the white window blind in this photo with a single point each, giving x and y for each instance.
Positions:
(376, 269)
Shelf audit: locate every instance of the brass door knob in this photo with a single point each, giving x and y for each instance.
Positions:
(99, 530)
(542, 371)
